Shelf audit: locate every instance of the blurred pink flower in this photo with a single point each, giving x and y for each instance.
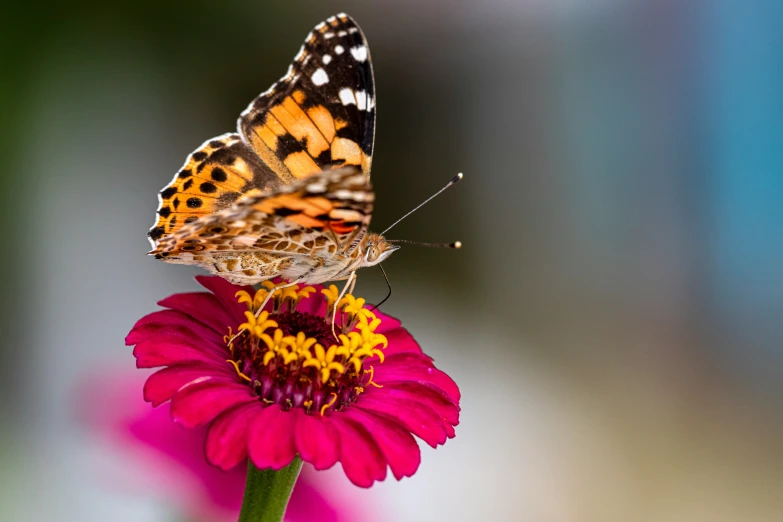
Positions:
(287, 386)
(169, 460)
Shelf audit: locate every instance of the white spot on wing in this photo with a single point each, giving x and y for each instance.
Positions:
(341, 33)
(353, 30)
(326, 59)
(316, 187)
(320, 25)
(339, 49)
(359, 53)
(361, 100)
(320, 77)
(351, 195)
(328, 35)
(346, 96)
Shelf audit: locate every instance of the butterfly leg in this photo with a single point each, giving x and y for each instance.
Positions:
(350, 283)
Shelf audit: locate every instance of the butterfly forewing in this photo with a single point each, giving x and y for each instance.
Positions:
(321, 114)
(213, 177)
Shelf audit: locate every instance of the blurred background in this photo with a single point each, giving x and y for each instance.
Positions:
(613, 320)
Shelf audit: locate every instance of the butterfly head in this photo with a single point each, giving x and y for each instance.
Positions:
(377, 250)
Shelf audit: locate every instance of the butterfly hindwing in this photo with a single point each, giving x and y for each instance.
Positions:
(328, 212)
(321, 114)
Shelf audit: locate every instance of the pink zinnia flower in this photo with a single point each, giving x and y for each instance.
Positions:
(286, 386)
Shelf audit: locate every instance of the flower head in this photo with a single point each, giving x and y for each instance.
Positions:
(285, 385)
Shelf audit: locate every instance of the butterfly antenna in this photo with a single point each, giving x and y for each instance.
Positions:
(456, 244)
(388, 284)
(453, 181)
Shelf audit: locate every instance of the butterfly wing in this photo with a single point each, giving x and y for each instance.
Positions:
(321, 114)
(309, 224)
(214, 176)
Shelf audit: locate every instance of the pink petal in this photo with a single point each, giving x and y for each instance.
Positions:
(203, 307)
(166, 350)
(200, 402)
(423, 393)
(417, 418)
(226, 444)
(161, 385)
(164, 321)
(414, 367)
(317, 441)
(400, 341)
(226, 294)
(271, 437)
(362, 459)
(398, 445)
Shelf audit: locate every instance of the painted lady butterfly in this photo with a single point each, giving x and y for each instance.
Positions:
(289, 194)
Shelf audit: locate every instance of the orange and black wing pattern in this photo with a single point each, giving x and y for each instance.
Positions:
(214, 176)
(325, 213)
(321, 114)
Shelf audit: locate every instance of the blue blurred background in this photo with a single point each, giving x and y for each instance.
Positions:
(613, 319)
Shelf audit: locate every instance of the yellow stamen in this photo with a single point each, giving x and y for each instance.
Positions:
(305, 292)
(329, 404)
(331, 294)
(257, 325)
(371, 338)
(228, 337)
(244, 297)
(272, 342)
(352, 305)
(300, 344)
(277, 346)
(289, 292)
(372, 376)
(236, 367)
(324, 360)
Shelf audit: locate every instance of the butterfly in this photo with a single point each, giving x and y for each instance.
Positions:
(289, 194)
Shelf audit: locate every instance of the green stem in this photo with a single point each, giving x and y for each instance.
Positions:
(267, 492)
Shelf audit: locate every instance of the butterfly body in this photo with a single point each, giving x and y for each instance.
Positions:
(287, 195)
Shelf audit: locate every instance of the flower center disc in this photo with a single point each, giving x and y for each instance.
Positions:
(293, 359)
